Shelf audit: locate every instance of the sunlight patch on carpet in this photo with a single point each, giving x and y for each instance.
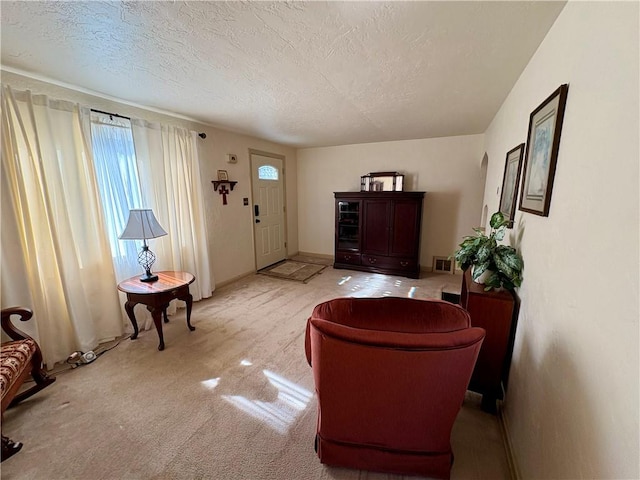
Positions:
(281, 413)
(211, 383)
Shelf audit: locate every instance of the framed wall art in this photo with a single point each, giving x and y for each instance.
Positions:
(510, 181)
(223, 176)
(543, 141)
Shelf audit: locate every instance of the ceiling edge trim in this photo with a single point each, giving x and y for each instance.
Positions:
(87, 91)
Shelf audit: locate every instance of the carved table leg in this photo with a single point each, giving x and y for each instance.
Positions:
(188, 299)
(129, 309)
(156, 313)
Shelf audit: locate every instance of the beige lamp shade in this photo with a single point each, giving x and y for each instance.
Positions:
(142, 224)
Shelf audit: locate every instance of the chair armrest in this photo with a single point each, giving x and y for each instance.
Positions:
(14, 333)
(307, 341)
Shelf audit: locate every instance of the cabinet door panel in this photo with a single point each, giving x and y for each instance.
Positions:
(347, 225)
(376, 222)
(405, 233)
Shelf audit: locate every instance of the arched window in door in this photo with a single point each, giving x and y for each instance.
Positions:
(267, 172)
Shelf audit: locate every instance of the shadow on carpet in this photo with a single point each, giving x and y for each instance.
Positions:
(292, 270)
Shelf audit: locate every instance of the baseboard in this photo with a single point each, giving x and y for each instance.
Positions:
(508, 444)
(316, 255)
(234, 279)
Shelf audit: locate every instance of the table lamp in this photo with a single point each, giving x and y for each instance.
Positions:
(142, 224)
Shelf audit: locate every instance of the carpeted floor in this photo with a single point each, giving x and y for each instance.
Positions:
(231, 400)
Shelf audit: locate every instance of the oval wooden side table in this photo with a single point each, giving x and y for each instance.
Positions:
(157, 296)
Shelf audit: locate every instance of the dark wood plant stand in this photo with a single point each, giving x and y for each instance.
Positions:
(497, 313)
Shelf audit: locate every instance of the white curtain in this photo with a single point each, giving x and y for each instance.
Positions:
(161, 173)
(119, 185)
(169, 172)
(56, 226)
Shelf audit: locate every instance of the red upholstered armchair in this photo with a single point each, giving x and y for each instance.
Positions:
(390, 376)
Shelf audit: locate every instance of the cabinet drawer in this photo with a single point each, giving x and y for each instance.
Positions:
(348, 257)
(395, 263)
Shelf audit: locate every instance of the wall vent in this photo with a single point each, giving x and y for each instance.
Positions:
(443, 265)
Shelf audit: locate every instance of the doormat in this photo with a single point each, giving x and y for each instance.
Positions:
(291, 270)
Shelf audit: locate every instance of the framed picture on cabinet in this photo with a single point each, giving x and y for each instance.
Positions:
(543, 142)
(382, 182)
(510, 181)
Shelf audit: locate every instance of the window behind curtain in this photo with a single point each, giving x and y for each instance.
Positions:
(118, 182)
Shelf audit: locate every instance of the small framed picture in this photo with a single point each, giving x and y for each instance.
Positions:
(543, 142)
(510, 182)
(223, 176)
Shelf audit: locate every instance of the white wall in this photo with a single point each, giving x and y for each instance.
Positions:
(572, 405)
(448, 169)
(229, 227)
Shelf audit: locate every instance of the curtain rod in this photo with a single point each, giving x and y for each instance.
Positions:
(110, 114)
(201, 135)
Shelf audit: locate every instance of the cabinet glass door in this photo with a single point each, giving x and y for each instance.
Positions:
(348, 225)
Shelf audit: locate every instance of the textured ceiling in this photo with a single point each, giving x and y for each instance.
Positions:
(298, 73)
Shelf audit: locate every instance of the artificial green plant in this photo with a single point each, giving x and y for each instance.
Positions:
(483, 253)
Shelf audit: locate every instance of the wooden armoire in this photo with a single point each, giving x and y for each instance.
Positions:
(379, 232)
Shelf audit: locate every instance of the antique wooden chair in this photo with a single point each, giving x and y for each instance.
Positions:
(20, 359)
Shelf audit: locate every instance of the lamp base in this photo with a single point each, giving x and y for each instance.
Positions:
(148, 278)
(146, 259)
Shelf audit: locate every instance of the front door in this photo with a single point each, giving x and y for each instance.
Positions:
(268, 209)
